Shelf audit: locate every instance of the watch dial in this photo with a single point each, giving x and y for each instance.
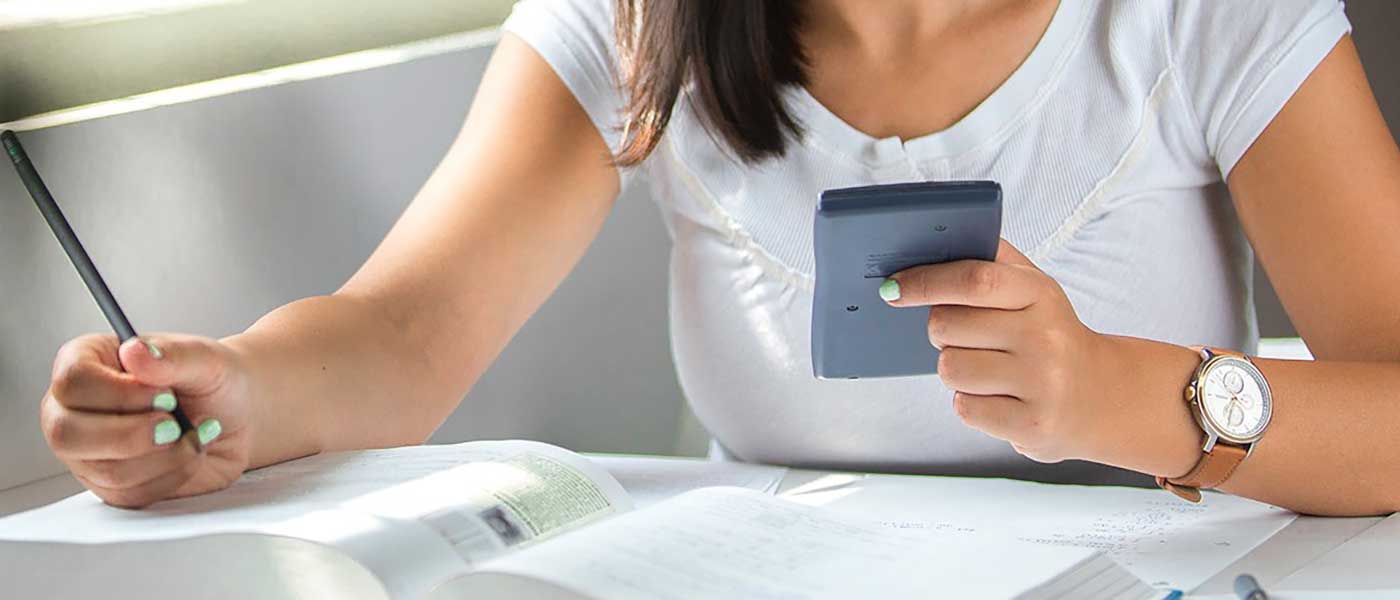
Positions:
(1235, 399)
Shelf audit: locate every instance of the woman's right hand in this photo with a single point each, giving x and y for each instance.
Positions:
(106, 416)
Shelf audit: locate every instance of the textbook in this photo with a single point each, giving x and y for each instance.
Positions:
(510, 519)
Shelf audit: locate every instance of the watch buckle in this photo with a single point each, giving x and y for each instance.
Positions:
(1187, 493)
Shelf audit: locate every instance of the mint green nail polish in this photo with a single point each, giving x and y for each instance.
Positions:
(155, 351)
(167, 431)
(208, 430)
(889, 290)
(164, 401)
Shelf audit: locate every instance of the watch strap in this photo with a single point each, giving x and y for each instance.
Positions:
(1207, 352)
(1216, 466)
(1212, 470)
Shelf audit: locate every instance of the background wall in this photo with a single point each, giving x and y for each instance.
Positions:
(58, 54)
(206, 214)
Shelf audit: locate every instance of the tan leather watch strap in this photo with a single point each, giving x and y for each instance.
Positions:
(1213, 469)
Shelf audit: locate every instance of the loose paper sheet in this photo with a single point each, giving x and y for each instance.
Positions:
(1161, 539)
(1369, 561)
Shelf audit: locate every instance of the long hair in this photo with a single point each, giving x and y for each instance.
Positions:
(732, 57)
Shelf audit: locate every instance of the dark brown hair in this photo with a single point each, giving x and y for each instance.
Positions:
(732, 57)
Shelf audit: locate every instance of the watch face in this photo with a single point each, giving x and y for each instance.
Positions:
(1236, 400)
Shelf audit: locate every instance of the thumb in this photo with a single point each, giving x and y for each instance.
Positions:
(1006, 253)
(179, 362)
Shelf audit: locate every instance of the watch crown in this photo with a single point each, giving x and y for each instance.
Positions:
(1190, 392)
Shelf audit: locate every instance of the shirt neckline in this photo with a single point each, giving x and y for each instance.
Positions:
(985, 121)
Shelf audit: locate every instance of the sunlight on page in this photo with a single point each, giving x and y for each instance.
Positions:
(483, 508)
(826, 483)
(823, 497)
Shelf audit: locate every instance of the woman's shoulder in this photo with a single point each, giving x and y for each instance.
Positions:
(579, 21)
(1238, 61)
(576, 38)
(1194, 24)
(1245, 11)
(1197, 25)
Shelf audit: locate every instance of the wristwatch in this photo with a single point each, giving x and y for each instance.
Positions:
(1231, 401)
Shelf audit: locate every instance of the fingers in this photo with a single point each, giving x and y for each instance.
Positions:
(182, 362)
(981, 372)
(181, 463)
(83, 435)
(107, 413)
(967, 282)
(133, 473)
(1006, 253)
(90, 386)
(87, 376)
(970, 327)
(1001, 417)
(101, 349)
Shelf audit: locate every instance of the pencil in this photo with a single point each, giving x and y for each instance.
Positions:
(76, 253)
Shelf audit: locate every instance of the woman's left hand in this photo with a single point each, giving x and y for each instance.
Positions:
(1024, 368)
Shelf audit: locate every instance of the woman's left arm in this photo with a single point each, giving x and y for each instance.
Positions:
(1319, 197)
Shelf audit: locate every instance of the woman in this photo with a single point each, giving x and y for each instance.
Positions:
(1138, 143)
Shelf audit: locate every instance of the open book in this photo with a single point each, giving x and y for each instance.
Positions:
(512, 520)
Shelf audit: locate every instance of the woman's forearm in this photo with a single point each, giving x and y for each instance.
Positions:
(332, 373)
(1329, 449)
(386, 359)
(1026, 370)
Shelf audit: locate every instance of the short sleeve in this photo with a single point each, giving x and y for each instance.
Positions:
(576, 38)
(1240, 61)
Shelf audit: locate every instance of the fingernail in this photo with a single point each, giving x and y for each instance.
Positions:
(209, 430)
(164, 401)
(167, 431)
(154, 350)
(889, 290)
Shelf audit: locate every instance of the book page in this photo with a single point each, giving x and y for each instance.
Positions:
(524, 494)
(414, 516)
(1163, 540)
(649, 480)
(735, 543)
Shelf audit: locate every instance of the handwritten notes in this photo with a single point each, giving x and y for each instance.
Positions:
(1160, 539)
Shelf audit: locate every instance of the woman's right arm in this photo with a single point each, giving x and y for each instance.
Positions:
(384, 360)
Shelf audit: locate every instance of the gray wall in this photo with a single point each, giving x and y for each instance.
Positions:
(204, 216)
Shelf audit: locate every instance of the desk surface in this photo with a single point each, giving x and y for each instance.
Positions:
(1328, 548)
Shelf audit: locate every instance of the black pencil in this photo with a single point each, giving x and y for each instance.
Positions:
(76, 253)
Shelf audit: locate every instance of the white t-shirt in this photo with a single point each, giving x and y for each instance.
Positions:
(1111, 142)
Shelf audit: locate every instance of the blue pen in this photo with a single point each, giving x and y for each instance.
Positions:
(1173, 595)
(1247, 588)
